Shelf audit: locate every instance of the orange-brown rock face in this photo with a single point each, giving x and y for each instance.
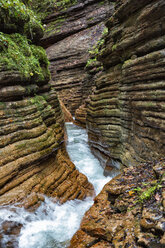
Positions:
(68, 36)
(128, 212)
(80, 116)
(33, 160)
(67, 115)
(126, 119)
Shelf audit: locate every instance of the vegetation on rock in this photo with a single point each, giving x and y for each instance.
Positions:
(117, 217)
(47, 7)
(96, 49)
(15, 16)
(30, 60)
(19, 29)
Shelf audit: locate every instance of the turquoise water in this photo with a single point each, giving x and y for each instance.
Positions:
(52, 225)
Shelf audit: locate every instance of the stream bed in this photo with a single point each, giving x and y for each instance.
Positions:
(52, 225)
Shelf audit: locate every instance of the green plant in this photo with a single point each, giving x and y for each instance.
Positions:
(15, 16)
(101, 3)
(13, 8)
(105, 31)
(145, 194)
(114, 47)
(55, 26)
(65, 3)
(30, 60)
(46, 7)
(90, 62)
(138, 189)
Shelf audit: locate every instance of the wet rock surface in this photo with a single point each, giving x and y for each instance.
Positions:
(33, 159)
(93, 69)
(10, 230)
(80, 116)
(68, 36)
(125, 116)
(67, 115)
(129, 211)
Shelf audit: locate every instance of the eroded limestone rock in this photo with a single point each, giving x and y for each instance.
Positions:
(33, 159)
(129, 212)
(68, 36)
(125, 119)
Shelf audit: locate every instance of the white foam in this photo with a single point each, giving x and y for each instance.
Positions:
(82, 157)
(52, 224)
(58, 223)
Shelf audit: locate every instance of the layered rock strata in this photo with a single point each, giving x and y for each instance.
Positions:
(69, 34)
(129, 211)
(80, 116)
(93, 69)
(33, 160)
(67, 115)
(126, 120)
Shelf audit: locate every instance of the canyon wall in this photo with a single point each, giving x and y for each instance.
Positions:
(126, 114)
(128, 212)
(69, 35)
(33, 159)
(125, 118)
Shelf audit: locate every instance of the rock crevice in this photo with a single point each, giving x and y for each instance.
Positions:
(68, 36)
(33, 158)
(125, 116)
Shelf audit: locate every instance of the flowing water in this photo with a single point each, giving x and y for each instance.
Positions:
(52, 225)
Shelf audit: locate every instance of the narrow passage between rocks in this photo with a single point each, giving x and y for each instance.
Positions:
(52, 225)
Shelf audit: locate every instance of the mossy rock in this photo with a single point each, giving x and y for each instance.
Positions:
(17, 54)
(15, 16)
(47, 7)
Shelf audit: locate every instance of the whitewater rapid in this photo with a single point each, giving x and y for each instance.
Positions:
(52, 225)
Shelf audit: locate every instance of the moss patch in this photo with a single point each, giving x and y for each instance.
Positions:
(15, 16)
(97, 49)
(55, 26)
(30, 60)
(47, 7)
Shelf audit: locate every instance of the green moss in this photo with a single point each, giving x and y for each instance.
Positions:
(30, 60)
(55, 26)
(101, 3)
(15, 16)
(65, 3)
(38, 101)
(13, 10)
(2, 105)
(90, 62)
(114, 47)
(91, 19)
(97, 49)
(105, 31)
(126, 62)
(47, 7)
(145, 194)
(33, 29)
(150, 104)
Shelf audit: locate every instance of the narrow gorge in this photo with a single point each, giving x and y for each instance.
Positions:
(100, 65)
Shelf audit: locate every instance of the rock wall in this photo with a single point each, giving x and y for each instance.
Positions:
(128, 212)
(93, 69)
(33, 160)
(69, 34)
(126, 120)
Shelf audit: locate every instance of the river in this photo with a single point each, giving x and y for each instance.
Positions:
(52, 225)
